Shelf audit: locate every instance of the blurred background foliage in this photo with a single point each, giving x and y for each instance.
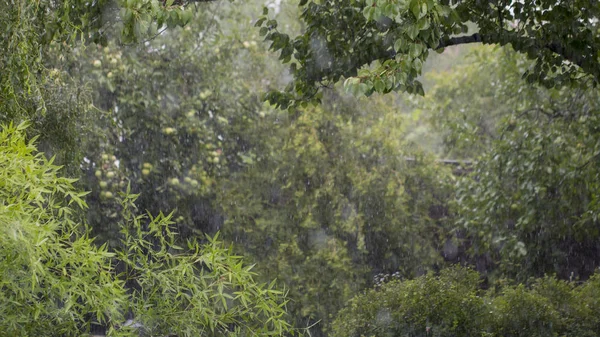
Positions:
(486, 170)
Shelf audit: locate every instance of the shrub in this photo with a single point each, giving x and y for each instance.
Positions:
(443, 305)
(451, 304)
(55, 281)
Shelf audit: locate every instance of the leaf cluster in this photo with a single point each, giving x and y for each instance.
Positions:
(452, 304)
(342, 39)
(56, 281)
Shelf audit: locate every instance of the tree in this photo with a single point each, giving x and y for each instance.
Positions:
(531, 200)
(343, 38)
(448, 304)
(173, 138)
(37, 39)
(529, 206)
(330, 201)
(245, 168)
(323, 197)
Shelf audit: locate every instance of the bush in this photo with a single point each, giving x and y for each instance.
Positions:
(587, 296)
(443, 305)
(451, 304)
(56, 281)
(520, 312)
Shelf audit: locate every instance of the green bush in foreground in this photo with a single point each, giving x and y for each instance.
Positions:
(451, 304)
(55, 281)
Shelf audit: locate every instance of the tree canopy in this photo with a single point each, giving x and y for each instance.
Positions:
(342, 39)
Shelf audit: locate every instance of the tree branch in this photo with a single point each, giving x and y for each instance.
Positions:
(554, 47)
(453, 41)
(562, 51)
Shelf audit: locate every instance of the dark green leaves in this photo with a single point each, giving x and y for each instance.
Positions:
(359, 33)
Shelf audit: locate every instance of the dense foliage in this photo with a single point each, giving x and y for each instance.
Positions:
(530, 201)
(171, 137)
(202, 149)
(343, 38)
(331, 189)
(56, 281)
(163, 99)
(39, 31)
(452, 304)
(525, 208)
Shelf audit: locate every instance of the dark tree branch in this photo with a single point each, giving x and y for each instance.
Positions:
(386, 53)
(186, 2)
(446, 42)
(453, 41)
(453, 162)
(554, 47)
(562, 51)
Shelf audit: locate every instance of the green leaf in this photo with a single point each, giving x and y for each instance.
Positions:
(362, 89)
(379, 85)
(260, 21)
(423, 24)
(415, 8)
(398, 45)
(412, 31)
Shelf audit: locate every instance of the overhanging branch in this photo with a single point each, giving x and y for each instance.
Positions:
(554, 47)
(453, 41)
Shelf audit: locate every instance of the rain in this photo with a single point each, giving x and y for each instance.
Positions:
(319, 168)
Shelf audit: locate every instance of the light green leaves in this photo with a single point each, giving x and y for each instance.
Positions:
(419, 8)
(376, 9)
(53, 275)
(207, 287)
(412, 31)
(56, 281)
(355, 86)
(143, 18)
(415, 50)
